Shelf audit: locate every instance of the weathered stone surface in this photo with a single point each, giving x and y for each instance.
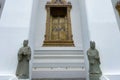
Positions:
(94, 62)
(24, 55)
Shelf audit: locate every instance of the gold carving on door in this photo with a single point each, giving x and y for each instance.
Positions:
(58, 24)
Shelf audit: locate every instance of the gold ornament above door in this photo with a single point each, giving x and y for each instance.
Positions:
(58, 24)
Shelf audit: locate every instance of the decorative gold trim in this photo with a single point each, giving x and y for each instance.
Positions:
(118, 7)
(58, 24)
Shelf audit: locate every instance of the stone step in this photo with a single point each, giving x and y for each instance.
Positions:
(58, 56)
(58, 61)
(58, 52)
(58, 72)
(52, 65)
(59, 69)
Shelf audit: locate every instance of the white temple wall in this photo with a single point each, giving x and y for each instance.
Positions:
(85, 32)
(104, 30)
(14, 28)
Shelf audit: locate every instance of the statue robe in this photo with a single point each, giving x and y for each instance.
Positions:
(94, 61)
(24, 55)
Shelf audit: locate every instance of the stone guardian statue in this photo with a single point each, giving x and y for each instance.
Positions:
(24, 56)
(94, 62)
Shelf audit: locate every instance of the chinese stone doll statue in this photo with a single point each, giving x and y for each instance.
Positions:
(94, 62)
(24, 56)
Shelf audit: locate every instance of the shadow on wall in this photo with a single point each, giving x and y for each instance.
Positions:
(2, 2)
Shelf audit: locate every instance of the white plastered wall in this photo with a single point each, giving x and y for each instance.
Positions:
(104, 30)
(14, 28)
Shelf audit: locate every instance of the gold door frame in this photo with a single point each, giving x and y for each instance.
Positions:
(58, 24)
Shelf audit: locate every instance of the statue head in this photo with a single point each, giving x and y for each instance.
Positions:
(25, 43)
(92, 44)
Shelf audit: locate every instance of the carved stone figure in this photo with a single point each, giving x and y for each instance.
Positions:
(24, 56)
(94, 62)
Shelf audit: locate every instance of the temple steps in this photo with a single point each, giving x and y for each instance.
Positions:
(58, 64)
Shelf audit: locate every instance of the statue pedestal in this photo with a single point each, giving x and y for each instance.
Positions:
(95, 77)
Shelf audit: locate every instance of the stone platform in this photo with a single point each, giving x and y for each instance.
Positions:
(57, 64)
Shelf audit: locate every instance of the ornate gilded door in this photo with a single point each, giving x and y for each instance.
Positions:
(58, 24)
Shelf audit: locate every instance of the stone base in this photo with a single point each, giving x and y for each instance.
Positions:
(22, 77)
(58, 43)
(95, 76)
